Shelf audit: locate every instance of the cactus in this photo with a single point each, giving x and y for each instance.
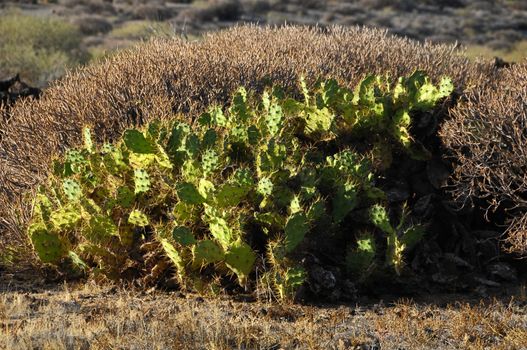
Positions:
(206, 252)
(124, 197)
(240, 259)
(209, 161)
(138, 218)
(189, 194)
(295, 231)
(65, 218)
(100, 230)
(141, 181)
(49, 246)
(360, 259)
(266, 173)
(174, 257)
(183, 236)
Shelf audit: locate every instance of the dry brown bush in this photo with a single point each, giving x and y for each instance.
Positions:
(488, 135)
(161, 77)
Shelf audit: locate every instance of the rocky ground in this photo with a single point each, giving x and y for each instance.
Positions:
(486, 27)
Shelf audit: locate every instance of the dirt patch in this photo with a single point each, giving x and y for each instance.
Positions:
(90, 317)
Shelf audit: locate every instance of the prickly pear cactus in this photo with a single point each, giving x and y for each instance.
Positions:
(265, 177)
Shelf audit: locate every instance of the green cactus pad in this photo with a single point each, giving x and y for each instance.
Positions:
(318, 120)
(141, 181)
(125, 197)
(183, 212)
(359, 259)
(50, 248)
(295, 230)
(189, 194)
(175, 257)
(100, 229)
(206, 252)
(88, 142)
(65, 218)
(209, 139)
(138, 218)
(273, 119)
(77, 261)
(206, 188)
(136, 142)
(72, 189)
(379, 217)
(221, 231)
(288, 282)
(75, 162)
(209, 161)
(230, 195)
(43, 207)
(265, 187)
(183, 235)
(412, 236)
(345, 200)
(240, 259)
(163, 159)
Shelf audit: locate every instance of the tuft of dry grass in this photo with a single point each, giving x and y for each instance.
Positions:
(170, 76)
(92, 317)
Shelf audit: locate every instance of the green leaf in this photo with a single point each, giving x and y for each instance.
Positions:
(379, 217)
(136, 142)
(295, 230)
(65, 218)
(412, 236)
(138, 218)
(174, 257)
(183, 235)
(189, 194)
(49, 246)
(359, 260)
(142, 181)
(72, 189)
(240, 259)
(88, 143)
(206, 252)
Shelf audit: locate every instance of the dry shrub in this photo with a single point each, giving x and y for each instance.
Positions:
(488, 135)
(161, 77)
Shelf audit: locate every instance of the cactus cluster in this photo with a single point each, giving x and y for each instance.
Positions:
(202, 201)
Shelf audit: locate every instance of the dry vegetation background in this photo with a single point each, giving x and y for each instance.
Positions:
(183, 70)
(95, 28)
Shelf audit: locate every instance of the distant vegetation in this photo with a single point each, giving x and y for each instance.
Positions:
(39, 48)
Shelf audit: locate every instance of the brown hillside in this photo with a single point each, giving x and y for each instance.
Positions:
(164, 76)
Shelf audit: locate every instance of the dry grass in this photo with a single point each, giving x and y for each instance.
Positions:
(487, 135)
(163, 77)
(105, 318)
